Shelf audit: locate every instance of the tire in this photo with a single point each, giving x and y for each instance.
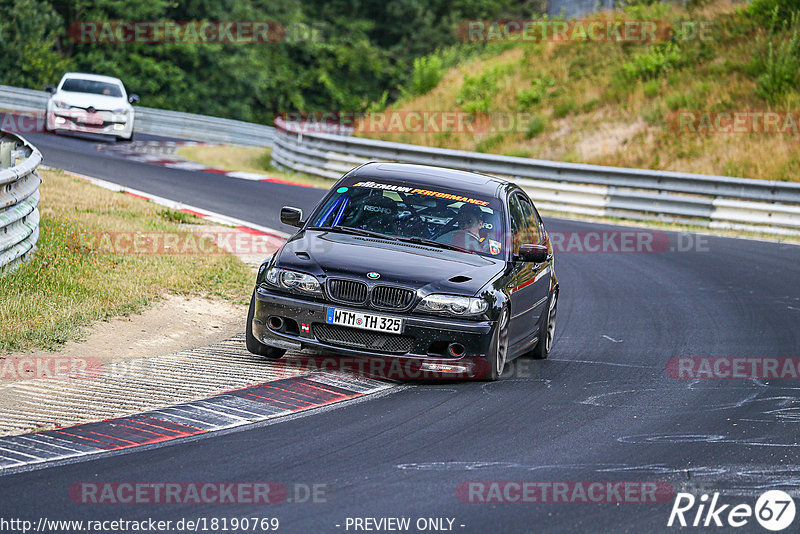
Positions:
(499, 352)
(254, 345)
(547, 330)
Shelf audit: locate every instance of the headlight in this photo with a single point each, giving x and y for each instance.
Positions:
(305, 284)
(123, 111)
(61, 104)
(453, 305)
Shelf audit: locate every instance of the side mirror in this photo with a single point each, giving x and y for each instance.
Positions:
(533, 253)
(133, 99)
(292, 216)
(50, 89)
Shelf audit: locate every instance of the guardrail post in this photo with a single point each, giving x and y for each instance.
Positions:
(5, 154)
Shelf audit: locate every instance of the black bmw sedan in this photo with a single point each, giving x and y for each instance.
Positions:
(449, 270)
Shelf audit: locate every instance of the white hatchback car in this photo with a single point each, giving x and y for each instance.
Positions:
(91, 104)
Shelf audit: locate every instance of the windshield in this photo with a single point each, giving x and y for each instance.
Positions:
(452, 218)
(79, 85)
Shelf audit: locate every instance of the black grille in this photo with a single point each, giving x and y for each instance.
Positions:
(392, 297)
(362, 339)
(348, 291)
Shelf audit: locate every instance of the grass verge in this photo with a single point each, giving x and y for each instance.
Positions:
(64, 288)
(248, 159)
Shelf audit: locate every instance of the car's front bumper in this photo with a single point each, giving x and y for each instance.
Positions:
(430, 336)
(117, 124)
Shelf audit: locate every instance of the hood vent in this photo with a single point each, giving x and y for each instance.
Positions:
(460, 279)
(409, 245)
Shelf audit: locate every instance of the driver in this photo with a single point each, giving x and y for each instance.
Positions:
(468, 236)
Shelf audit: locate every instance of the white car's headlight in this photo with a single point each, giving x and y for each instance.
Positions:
(302, 283)
(453, 305)
(61, 104)
(121, 110)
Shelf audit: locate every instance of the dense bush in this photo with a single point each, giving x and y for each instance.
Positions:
(477, 92)
(764, 10)
(657, 60)
(537, 92)
(426, 75)
(779, 60)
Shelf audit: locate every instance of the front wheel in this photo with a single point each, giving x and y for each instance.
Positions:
(499, 350)
(254, 345)
(547, 330)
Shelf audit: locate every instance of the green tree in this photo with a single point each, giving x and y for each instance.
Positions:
(29, 31)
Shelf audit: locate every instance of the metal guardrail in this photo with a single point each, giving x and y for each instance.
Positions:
(159, 121)
(19, 200)
(714, 201)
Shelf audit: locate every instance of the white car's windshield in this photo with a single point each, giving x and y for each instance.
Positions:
(79, 85)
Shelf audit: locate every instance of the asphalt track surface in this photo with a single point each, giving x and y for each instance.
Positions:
(601, 409)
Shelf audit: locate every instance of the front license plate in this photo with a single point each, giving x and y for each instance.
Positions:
(91, 120)
(367, 321)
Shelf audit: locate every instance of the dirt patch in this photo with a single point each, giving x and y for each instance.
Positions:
(609, 139)
(173, 324)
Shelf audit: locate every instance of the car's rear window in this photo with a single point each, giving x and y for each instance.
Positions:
(463, 219)
(79, 85)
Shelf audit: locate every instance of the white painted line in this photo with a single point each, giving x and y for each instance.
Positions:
(246, 175)
(186, 165)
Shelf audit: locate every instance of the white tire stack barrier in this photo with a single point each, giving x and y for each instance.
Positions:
(19, 200)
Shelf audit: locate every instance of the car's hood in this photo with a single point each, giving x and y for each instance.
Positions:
(416, 266)
(84, 100)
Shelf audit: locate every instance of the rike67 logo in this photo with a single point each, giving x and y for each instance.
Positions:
(774, 510)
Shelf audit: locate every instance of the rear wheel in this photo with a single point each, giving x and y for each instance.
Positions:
(254, 345)
(547, 330)
(499, 351)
